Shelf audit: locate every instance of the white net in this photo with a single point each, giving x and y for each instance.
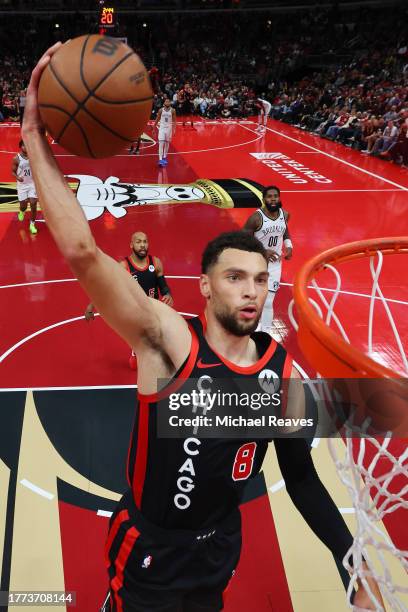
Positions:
(374, 496)
(374, 468)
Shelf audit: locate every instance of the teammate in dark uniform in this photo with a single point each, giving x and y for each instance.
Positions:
(135, 146)
(187, 107)
(148, 271)
(175, 537)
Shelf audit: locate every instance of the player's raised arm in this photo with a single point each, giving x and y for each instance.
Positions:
(142, 322)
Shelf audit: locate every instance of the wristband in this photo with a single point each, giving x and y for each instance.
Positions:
(163, 286)
(288, 243)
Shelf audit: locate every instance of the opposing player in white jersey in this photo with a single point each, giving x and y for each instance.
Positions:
(25, 186)
(264, 108)
(166, 118)
(270, 225)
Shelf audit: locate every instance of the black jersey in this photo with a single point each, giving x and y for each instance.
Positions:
(146, 277)
(192, 483)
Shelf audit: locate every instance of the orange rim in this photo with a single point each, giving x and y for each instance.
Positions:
(327, 352)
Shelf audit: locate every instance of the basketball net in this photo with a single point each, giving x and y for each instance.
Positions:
(375, 474)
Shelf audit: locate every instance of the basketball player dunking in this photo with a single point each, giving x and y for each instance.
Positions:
(175, 537)
(269, 225)
(26, 193)
(166, 120)
(148, 271)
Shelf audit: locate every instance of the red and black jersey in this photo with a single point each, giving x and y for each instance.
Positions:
(191, 483)
(146, 277)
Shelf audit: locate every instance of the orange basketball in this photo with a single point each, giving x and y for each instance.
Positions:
(95, 96)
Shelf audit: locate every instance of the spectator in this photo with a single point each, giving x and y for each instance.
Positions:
(388, 138)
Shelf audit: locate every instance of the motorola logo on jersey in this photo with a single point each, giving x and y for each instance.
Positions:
(269, 381)
(151, 268)
(147, 561)
(185, 484)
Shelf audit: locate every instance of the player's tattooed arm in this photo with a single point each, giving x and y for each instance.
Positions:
(253, 223)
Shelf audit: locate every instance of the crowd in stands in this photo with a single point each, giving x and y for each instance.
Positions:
(341, 74)
(363, 105)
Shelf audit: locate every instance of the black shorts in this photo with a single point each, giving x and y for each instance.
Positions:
(155, 569)
(187, 108)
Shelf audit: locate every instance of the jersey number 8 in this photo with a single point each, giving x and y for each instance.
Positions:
(244, 461)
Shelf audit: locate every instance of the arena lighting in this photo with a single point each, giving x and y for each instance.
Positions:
(145, 25)
(57, 25)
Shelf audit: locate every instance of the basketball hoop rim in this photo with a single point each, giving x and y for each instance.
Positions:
(308, 319)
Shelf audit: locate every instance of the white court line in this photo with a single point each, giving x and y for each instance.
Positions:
(104, 513)
(354, 293)
(308, 152)
(259, 134)
(342, 161)
(53, 326)
(70, 280)
(38, 490)
(37, 333)
(277, 486)
(222, 148)
(49, 282)
(347, 510)
(142, 146)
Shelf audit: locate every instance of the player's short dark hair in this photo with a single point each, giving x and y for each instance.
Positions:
(266, 189)
(243, 241)
(20, 144)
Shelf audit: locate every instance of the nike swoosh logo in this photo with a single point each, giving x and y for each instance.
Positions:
(200, 364)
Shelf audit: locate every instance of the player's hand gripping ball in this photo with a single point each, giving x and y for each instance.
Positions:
(95, 96)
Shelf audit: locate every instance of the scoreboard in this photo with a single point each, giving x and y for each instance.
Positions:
(107, 19)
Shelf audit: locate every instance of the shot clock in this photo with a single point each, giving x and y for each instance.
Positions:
(107, 19)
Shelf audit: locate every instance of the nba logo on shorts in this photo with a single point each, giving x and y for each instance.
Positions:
(269, 381)
(147, 561)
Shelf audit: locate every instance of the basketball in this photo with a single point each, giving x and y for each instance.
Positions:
(95, 96)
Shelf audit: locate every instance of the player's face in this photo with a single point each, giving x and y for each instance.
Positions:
(236, 288)
(167, 103)
(24, 150)
(140, 245)
(272, 200)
